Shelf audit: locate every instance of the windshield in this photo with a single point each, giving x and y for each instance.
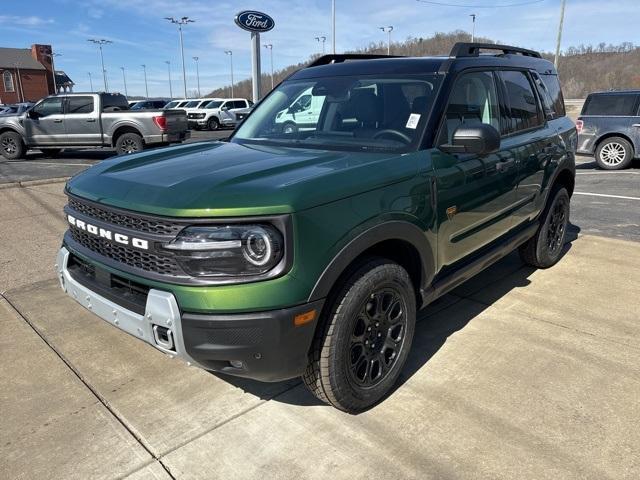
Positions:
(170, 105)
(214, 104)
(192, 104)
(372, 113)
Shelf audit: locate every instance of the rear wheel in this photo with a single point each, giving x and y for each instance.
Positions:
(11, 145)
(289, 128)
(129, 143)
(365, 337)
(544, 249)
(51, 152)
(614, 153)
(213, 124)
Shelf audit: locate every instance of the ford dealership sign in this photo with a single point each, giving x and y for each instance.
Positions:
(254, 21)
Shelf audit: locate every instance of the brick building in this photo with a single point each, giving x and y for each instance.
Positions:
(27, 74)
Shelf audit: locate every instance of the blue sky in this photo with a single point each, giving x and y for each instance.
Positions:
(141, 35)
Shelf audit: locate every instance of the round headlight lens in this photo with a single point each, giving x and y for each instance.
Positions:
(257, 246)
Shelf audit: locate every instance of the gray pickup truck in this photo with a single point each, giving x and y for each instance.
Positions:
(89, 120)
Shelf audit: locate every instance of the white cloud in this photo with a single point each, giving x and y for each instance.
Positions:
(28, 21)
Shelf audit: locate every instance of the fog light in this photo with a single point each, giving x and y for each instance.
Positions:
(236, 363)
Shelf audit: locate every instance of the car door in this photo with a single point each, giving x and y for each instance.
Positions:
(530, 139)
(226, 116)
(82, 121)
(44, 124)
(475, 194)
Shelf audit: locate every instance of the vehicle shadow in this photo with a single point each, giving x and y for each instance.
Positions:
(432, 329)
(90, 154)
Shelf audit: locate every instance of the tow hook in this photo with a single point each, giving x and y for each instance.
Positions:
(163, 337)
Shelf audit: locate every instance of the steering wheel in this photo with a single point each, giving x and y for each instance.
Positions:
(391, 131)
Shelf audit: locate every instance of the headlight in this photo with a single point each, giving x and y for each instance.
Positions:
(228, 250)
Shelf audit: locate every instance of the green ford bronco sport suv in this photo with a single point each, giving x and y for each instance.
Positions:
(307, 250)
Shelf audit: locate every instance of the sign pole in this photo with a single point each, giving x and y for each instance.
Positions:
(255, 65)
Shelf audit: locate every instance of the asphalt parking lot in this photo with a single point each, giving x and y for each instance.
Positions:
(518, 373)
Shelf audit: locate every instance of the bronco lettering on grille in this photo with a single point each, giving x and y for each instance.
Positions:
(108, 234)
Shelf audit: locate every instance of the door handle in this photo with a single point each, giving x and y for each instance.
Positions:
(91, 120)
(505, 165)
(57, 121)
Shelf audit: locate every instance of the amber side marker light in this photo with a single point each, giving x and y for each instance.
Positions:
(304, 318)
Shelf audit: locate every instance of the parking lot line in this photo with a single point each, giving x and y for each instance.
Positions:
(607, 173)
(605, 195)
(31, 162)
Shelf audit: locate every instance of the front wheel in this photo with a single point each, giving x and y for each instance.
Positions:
(129, 143)
(11, 146)
(544, 249)
(614, 153)
(289, 128)
(213, 124)
(364, 338)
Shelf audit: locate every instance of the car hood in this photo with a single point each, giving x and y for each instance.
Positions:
(229, 179)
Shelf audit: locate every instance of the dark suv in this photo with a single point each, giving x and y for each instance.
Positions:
(307, 252)
(609, 128)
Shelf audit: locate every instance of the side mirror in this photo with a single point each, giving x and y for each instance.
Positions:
(224, 108)
(33, 114)
(478, 139)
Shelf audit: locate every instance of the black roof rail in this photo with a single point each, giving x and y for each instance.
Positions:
(462, 49)
(339, 58)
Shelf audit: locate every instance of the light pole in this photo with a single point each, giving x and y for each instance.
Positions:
(473, 27)
(557, 59)
(321, 39)
(270, 47)
(230, 53)
(124, 79)
(53, 70)
(90, 81)
(170, 87)
(197, 73)
(146, 87)
(333, 25)
(100, 43)
(388, 31)
(182, 21)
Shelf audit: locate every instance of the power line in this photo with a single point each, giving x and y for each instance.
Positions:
(444, 4)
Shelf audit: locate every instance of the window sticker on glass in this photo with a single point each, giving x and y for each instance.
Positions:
(412, 123)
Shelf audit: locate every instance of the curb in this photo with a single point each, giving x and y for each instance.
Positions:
(31, 183)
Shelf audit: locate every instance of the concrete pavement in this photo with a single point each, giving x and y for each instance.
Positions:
(518, 373)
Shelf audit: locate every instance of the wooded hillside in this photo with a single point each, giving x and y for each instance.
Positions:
(583, 69)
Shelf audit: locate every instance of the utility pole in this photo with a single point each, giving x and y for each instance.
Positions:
(90, 81)
(170, 87)
(124, 79)
(388, 31)
(100, 43)
(473, 27)
(562, 7)
(270, 47)
(146, 87)
(230, 53)
(322, 40)
(197, 74)
(333, 25)
(180, 23)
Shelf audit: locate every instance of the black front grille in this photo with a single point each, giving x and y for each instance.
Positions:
(131, 221)
(129, 256)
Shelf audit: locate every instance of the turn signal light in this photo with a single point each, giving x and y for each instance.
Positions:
(304, 318)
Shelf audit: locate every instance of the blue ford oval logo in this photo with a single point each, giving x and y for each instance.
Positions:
(254, 21)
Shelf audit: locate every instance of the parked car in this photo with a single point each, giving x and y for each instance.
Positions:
(15, 109)
(89, 119)
(218, 113)
(132, 102)
(609, 128)
(302, 114)
(149, 104)
(307, 253)
(177, 104)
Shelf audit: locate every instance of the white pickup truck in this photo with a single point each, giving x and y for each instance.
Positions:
(89, 120)
(219, 112)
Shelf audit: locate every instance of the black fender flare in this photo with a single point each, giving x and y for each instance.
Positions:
(390, 230)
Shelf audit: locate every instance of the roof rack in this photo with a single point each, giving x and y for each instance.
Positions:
(462, 49)
(340, 58)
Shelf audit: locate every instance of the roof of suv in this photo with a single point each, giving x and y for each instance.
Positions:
(463, 55)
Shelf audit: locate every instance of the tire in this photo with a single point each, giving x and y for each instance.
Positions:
(51, 152)
(11, 146)
(544, 249)
(289, 128)
(364, 337)
(213, 124)
(129, 143)
(614, 153)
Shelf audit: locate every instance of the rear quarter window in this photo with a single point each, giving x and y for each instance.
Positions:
(552, 85)
(611, 105)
